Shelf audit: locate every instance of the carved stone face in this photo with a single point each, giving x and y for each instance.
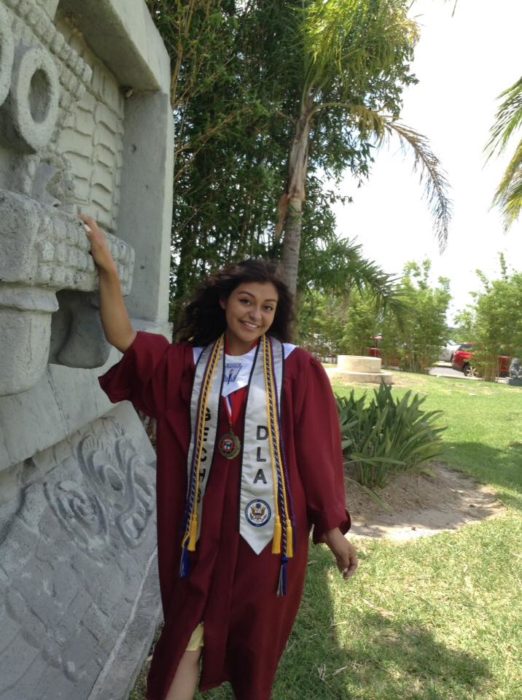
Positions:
(61, 126)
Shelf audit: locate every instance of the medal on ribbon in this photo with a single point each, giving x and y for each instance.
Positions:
(229, 445)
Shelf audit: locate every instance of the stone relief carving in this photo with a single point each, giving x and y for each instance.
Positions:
(59, 596)
(113, 501)
(61, 127)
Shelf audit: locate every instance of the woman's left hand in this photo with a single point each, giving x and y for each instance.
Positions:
(343, 551)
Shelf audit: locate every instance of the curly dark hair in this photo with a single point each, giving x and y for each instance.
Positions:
(203, 319)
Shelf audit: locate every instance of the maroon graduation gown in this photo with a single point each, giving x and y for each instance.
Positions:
(229, 587)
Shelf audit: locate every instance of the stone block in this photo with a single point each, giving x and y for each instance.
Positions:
(17, 660)
(41, 248)
(360, 368)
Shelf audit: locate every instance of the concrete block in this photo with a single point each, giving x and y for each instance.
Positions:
(46, 251)
(122, 33)
(358, 363)
(359, 368)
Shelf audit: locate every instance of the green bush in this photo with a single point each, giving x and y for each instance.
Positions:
(386, 435)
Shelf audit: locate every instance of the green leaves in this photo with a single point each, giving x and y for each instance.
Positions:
(413, 338)
(349, 43)
(277, 97)
(495, 321)
(386, 435)
(508, 121)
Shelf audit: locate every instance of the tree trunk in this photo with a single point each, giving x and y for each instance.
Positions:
(297, 170)
(292, 243)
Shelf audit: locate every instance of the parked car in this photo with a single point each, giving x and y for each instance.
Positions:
(515, 368)
(447, 352)
(463, 361)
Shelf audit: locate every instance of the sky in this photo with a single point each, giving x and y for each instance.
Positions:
(463, 62)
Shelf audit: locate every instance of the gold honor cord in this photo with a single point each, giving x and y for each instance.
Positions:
(276, 542)
(191, 533)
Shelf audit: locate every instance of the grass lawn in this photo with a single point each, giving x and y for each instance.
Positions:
(435, 618)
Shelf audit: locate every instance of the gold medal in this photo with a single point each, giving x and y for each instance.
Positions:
(229, 445)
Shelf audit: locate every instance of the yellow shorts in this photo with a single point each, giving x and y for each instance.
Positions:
(196, 640)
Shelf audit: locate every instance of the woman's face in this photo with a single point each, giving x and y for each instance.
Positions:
(249, 312)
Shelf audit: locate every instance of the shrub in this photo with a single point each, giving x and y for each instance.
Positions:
(386, 435)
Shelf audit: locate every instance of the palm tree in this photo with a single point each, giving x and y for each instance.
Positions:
(350, 47)
(340, 267)
(508, 120)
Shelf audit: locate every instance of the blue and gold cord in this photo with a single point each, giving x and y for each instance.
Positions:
(190, 520)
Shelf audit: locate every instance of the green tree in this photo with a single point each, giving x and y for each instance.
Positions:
(339, 277)
(243, 73)
(354, 63)
(465, 325)
(415, 337)
(496, 320)
(364, 323)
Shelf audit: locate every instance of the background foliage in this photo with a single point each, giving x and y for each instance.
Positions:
(413, 338)
(386, 435)
(494, 321)
(241, 74)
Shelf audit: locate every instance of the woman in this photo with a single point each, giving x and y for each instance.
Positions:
(249, 460)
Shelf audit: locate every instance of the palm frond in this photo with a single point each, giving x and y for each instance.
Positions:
(341, 266)
(508, 119)
(508, 196)
(368, 120)
(431, 175)
(356, 37)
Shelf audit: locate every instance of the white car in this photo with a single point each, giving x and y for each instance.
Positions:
(446, 353)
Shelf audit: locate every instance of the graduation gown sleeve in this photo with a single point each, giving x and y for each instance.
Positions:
(318, 450)
(141, 374)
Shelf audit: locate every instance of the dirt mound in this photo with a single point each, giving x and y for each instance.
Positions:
(421, 504)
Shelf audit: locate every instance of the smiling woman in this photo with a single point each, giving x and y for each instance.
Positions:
(249, 313)
(246, 293)
(249, 461)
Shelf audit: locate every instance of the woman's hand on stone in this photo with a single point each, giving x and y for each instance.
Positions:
(99, 247)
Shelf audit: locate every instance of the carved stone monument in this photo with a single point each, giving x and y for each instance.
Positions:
(85, 125)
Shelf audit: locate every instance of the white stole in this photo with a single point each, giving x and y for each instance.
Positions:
(258, 496)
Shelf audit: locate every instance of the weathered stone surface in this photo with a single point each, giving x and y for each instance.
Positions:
(85, 124)
(77, 552)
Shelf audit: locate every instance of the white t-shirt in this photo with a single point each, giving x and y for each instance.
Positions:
(238, 367)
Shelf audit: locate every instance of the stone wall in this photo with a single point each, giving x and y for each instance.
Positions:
(85, 125)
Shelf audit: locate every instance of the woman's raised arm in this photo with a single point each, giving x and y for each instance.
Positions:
(115, 319)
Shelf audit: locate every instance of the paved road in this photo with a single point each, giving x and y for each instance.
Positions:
(445, 370)
(442, 369)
